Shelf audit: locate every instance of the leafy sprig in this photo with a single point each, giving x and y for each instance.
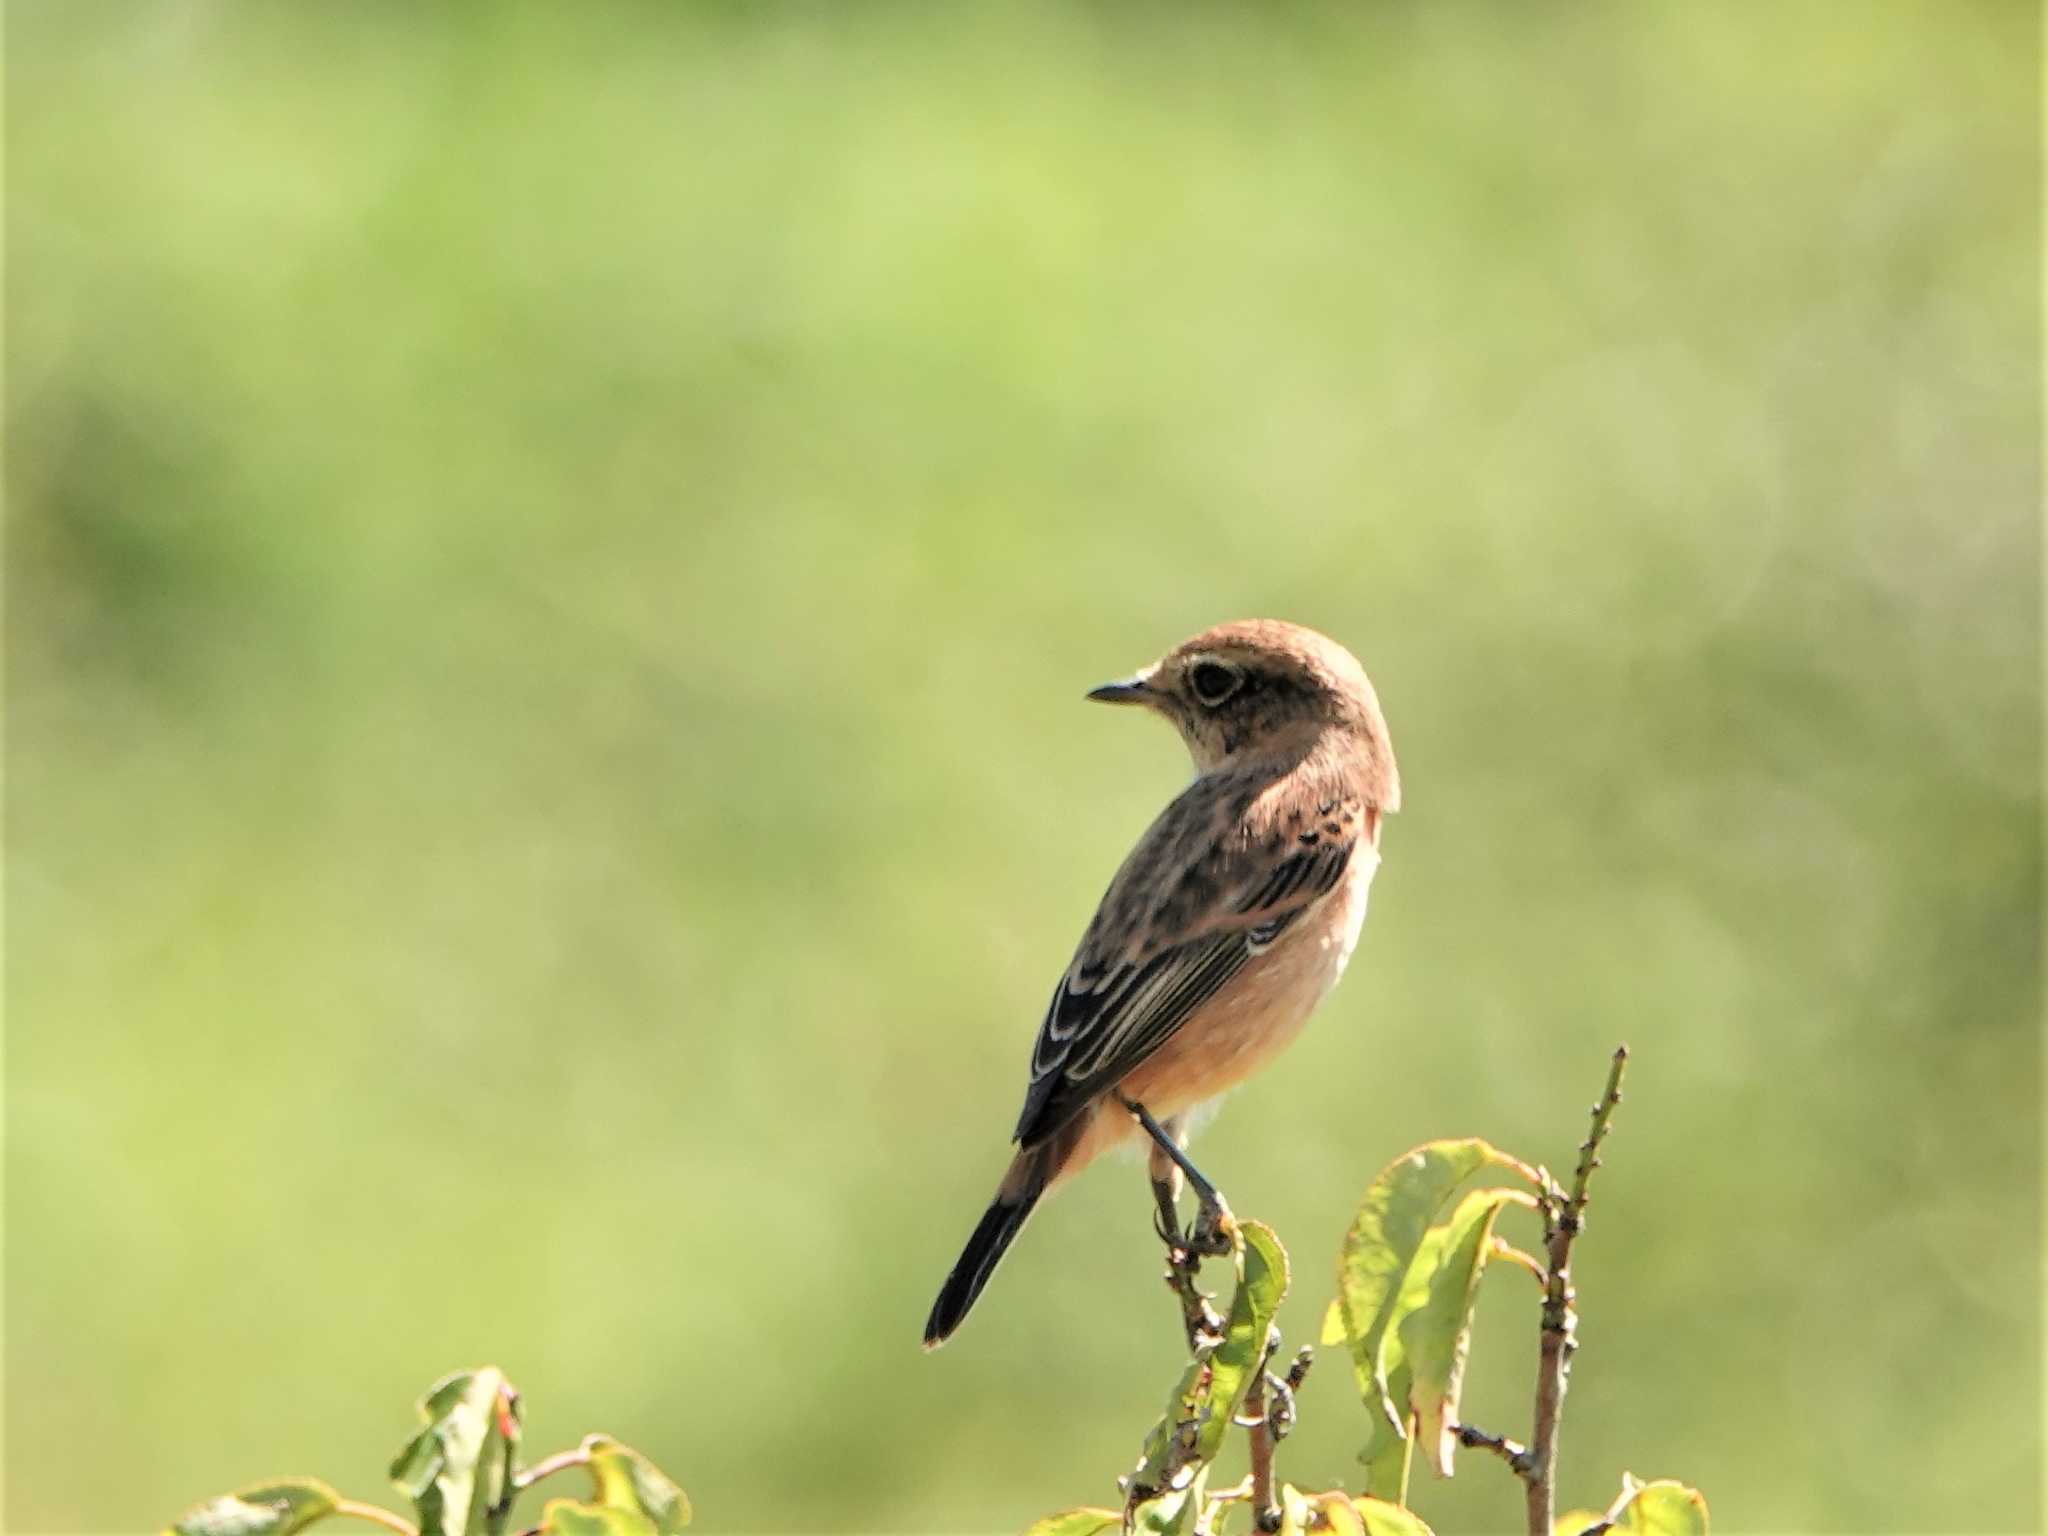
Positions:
(463, 1476)
(1408, 1277)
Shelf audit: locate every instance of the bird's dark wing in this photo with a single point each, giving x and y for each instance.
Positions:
(1190, 907)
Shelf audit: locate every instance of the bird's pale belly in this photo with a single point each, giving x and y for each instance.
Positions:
(1254, 1018)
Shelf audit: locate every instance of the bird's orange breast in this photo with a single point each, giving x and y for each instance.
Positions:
(1252, 1019)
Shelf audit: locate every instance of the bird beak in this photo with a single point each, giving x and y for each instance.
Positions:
(1132, 690)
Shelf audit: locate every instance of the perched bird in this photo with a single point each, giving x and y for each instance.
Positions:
(1224, 928)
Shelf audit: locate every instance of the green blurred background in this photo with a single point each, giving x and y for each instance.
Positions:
(553, 557)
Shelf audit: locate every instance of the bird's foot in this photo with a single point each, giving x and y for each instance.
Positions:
(1214, 1234)
(1201, 1322)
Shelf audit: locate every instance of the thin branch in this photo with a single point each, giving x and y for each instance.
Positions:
(1266, 1515)
(548, 1466)
(1589, 1149)
(1605, 1523)
(1564, 1217)
(1517, 1457)
(1258, 1412)
(1202, 1323)
(1286, 1392)
(376, 1515)
(1236, 1493)
(1501, 1248)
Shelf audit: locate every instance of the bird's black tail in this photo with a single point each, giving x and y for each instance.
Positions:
(999, 1227)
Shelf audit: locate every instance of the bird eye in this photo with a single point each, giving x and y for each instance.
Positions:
(1213, 682)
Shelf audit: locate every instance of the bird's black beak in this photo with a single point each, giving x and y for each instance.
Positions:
(1132, 690)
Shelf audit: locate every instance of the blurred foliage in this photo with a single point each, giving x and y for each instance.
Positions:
(1211, 1390)
(464, 1474)
(1407, 1288)
(1401, 1274)
(552, 552)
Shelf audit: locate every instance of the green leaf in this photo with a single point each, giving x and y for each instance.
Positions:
(1668, 1508)
(1212, 1387)
(627, 1480)
(1078, 1522)
(1435, 1316)
(1297, 1512)
(1175, 1513)
(566, 1517)
(458, 1469)
(1383, 1519)
(1339, 1514)
(265, 1509)
(1661, 1508)
(1262, 1269)
(1387, 1449)
(1392, 1221)
(1330, 1513)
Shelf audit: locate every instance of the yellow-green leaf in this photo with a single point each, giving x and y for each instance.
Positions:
(1332, 1513)
(1174, 1513)
(1390, 1445)
(1210, 1390)
(1435, 1318)
(1297, 1513)
(1384, 1519)
(1667, 1508)
(627, 1480)
(458, 1469)
(1340, 1514)
(1078, 1522)
(266, 1509)
(1661, 1508)
(1387, 1450)
(567, 1517)
(1386, 1233)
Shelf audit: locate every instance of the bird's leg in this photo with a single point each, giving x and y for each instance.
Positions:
(1211, 1231)
(1168, 1165)
(1199, 1320)
(1166, 1195)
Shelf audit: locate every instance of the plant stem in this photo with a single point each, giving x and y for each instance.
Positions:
(376, 1516)
(1199, 1321)
(1266, 1515)
(1563, 1217)
(548, 1466)
(1503, 1249)
(1475, 1439)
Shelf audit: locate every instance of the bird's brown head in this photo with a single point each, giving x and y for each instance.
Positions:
(1262, 688)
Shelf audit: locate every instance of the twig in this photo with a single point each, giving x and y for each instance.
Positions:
(376, 1515)
(1605, 1523)
(1282, 1413)
(1258, 1414)
(1501, 1248)
(1200, 1321)
(1564, 1217)
(548, 1466)
(1517, 1457)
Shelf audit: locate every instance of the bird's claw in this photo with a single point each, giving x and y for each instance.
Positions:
(1214, 1233)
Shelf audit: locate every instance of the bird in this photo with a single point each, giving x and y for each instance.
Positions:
(1228, 923)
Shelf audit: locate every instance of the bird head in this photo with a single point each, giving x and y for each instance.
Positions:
(1262, 689)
